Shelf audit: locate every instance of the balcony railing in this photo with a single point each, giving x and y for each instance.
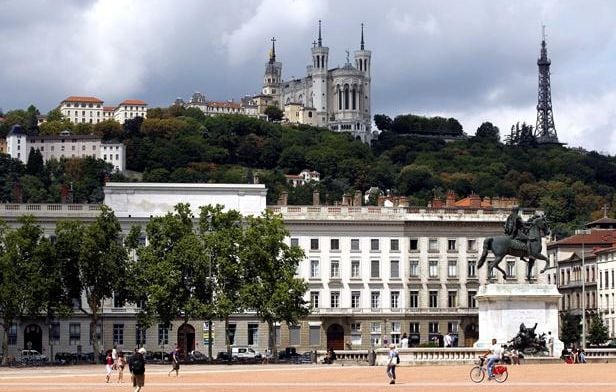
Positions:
(11, 210)
(396, 311)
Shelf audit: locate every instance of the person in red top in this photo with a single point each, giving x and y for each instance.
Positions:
(108, 366)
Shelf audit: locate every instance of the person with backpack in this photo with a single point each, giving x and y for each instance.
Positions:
(136, 365)
(175, 361)
(394, 359)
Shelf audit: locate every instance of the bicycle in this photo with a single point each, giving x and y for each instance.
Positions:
(478, 372)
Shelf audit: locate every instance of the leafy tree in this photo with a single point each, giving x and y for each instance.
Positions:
(272, 290)
(488, 131)
(383, 122)
(108, 129)
(31, 118)
(273, 113)
(223, 238)
(55, 115)
(25, 279)
(83, 129)
(97, 260)
(54, 127)
(570, 328)
(598, 332)
(35, 165)
(170, 274)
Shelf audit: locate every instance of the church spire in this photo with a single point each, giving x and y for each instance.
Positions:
(320, 41)
(272, 54)
(361, 45)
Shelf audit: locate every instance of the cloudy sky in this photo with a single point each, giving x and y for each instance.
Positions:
(473, 60)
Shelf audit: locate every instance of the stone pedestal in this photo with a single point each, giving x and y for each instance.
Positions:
(503, 307)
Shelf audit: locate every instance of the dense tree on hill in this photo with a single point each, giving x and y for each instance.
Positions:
(488, 131)
(55, 115)
(410, 123)
(273, 113)
(108, 130)
(383, 122)
(179, 145)
(54, 127)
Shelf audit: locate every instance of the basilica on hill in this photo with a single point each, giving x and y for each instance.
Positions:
(334, 98)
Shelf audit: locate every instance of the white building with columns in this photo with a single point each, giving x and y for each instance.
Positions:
(339, 98)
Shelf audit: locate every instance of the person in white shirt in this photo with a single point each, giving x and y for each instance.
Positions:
(448, 339)
(404, 342)
(494, 355)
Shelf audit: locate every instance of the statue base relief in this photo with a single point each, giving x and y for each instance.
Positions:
(503, 307)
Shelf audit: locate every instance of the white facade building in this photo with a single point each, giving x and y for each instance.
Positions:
(86, 110)
(374, 273)
(339, 98)
(65, 145)
(90, 110)
(129, 109)
(606, 288)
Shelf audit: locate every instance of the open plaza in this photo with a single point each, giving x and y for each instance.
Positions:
(297, 378)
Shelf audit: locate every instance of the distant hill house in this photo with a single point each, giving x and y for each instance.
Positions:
(90, 110)
(304, 177)
(66, 145)
(474, 201)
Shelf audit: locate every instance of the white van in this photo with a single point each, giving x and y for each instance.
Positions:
(244, 352)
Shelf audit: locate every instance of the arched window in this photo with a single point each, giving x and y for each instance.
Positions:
(300, 99)
(339, 97)
(354, 98)
(346, 97)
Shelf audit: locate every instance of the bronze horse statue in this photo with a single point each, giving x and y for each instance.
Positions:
(504, 245)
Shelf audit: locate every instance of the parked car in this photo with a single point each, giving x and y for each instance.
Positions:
(244, 352)
(197, 356)
(157, 356)
(32, 355)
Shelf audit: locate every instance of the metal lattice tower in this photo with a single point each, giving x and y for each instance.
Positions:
(545, 132)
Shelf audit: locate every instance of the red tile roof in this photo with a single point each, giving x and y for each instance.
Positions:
(596, 237)
(606, 250)
(133, 102)
(73, 98)
(108, 108)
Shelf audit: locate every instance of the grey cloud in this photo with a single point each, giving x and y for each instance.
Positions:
(472, 59)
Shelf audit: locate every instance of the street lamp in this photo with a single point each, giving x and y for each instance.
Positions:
(209, 282)
(582, 233)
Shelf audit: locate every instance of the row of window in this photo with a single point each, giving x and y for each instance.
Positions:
(394, 269)
(83, 105)
(394, 244)
(394, 299)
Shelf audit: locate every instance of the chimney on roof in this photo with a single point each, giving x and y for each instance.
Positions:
(475, 200)
(17, 193)
(315, 198)
(403, 202)
(357, 198)
(451, 199)
(345, 199)
(381, 201)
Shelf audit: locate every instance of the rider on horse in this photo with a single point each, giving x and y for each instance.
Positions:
(517, 229)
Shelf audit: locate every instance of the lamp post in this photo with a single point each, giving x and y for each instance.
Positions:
(209, 282)
(582, 233)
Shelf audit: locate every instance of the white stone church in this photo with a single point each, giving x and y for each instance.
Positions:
(336, 98)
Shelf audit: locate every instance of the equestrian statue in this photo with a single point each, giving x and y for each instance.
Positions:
(521, 239)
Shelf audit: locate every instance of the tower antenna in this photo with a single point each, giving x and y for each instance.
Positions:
(320, 40)
(361, 45)
(545, 131)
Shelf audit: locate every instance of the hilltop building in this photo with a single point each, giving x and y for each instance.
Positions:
(90, 110)
(336, 98)
(66, 145)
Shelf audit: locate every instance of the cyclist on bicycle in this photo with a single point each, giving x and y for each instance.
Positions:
(494, 354)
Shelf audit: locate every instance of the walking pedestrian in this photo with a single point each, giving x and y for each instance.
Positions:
(120, 363)
(394, 359)
(136, 365)
(108, 366)
(175, 362)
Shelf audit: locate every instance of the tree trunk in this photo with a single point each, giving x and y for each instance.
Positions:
(209, 339)
(5, 342)
(185, 329)
(227, 340)
(272, 340)
(94, 323)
